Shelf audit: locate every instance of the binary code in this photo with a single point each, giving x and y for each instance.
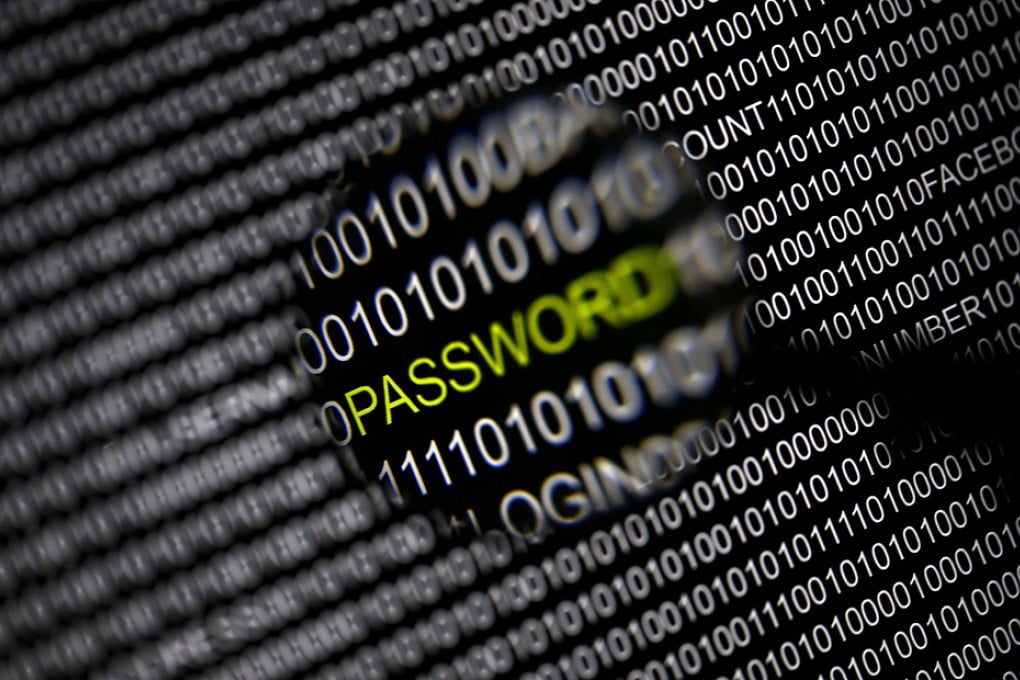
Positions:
(552, 339)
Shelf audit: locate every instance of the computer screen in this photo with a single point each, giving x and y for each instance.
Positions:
(551, 339)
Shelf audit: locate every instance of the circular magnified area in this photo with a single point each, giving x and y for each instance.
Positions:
(501, 317)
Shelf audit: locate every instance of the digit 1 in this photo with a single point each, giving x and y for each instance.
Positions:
(376, 214)
(472, 258)
(359, 312)
(387, 474)
(414, 287)
(434, 452)
(302, 266)
(457, 442)
(435, 182)
(409, 462)
(579, 393)
(516, 420)
(536, 225)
